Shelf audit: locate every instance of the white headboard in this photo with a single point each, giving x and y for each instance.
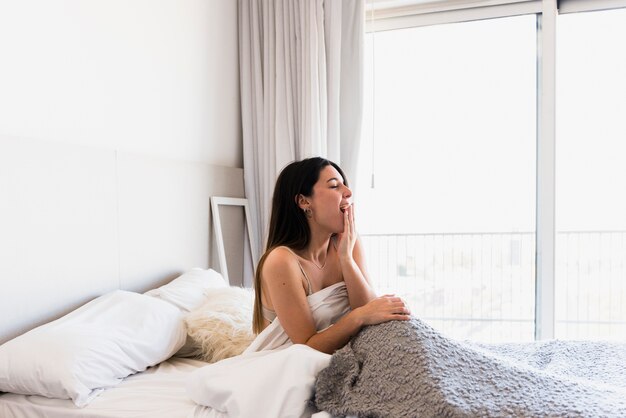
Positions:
(76, 222)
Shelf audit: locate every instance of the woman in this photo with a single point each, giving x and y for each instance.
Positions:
(312, 274)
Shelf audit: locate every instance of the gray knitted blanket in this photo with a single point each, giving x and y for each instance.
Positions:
(407, 369)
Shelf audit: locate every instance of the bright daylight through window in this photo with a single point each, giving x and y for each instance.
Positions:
(591, 176)
(450, 135)
(447, 185)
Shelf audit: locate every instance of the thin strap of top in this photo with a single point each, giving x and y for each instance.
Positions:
(269, 314)
(308, 282)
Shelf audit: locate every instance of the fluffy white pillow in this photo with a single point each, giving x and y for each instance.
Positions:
(92, 348)
(222, 326)
(187, 290)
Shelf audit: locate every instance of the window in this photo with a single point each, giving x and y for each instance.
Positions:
(450, 135)
(591, 176)
(458, 141)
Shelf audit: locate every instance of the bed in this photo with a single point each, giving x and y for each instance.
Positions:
(124, 355)
(158, 392)
(133, 355)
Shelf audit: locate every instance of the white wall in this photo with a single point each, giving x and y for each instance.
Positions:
(158, 77)
(118, 121)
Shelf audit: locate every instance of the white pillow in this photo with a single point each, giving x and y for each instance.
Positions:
(94, 347)
(187, 290)
(222, 326)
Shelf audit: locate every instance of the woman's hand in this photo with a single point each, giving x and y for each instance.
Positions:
(352, 261)
(347, 239)
(383, 309)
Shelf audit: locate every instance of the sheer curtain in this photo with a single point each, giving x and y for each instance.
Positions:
(301, 68)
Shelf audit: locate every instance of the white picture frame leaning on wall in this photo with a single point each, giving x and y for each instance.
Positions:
(216, 202)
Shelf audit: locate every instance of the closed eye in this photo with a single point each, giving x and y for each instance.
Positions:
(336, 184)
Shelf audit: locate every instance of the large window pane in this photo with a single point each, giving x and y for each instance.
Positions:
(450, 132)
(591, 176)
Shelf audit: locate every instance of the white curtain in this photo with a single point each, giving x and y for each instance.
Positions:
(301, 68)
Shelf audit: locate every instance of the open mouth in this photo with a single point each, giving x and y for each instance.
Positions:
(344, 207)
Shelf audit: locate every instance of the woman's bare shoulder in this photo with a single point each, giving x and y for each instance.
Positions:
(280, 254)
(280, 263)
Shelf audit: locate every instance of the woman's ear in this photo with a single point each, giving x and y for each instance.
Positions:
(302, 201)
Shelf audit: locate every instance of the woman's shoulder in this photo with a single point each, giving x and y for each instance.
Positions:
(281, 252)
(280, 260)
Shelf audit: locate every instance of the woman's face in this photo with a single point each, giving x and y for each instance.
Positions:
(330, 197)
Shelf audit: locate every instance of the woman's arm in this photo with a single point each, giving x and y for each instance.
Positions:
(352, 260)
(382, 309)
(282, 282)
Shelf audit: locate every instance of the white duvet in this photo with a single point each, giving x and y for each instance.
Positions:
(272, 378)
(272, 384)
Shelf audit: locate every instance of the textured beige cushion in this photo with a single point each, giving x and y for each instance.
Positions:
(222, 326)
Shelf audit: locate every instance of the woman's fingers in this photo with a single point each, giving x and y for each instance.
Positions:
(397, 317)
(350, 222)
(351, 209)
(397, 305)
(347, 228)
(393, 298)
(383, 310)
(400, 309)
(348, 236)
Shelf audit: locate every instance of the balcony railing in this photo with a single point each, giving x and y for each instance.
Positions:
(482, 285)
(591, 285)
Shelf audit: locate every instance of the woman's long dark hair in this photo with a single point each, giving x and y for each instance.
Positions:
(288, 224)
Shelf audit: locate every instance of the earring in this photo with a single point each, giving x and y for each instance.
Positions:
(308, 213)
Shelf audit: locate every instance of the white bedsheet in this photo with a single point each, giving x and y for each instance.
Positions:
(265, 384)
(272, 378)
(158, 392)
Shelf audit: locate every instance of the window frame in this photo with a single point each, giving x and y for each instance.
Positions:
(416, 14)
(577, 6)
